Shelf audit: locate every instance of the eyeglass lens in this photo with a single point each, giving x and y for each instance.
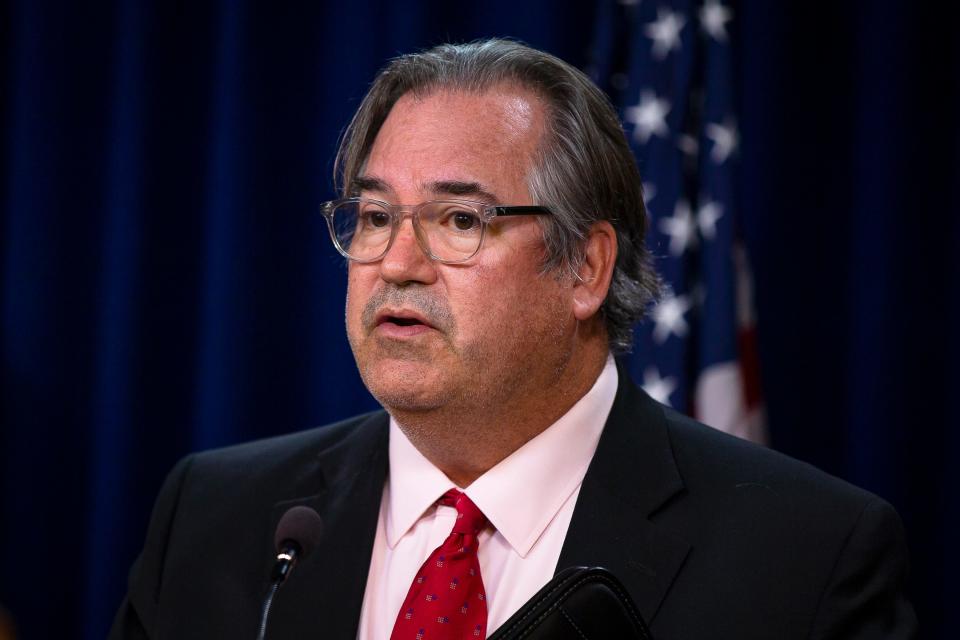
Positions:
(452, 230)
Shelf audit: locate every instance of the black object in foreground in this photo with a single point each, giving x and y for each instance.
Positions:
(298, 533)
(580, 603)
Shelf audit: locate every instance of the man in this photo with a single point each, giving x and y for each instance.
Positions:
(493, 221)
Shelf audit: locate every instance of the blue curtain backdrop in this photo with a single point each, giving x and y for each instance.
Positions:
(167, 284)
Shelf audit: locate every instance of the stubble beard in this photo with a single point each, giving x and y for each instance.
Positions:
(502, 375)
(506, 374)
(483, 422)
(370, 352)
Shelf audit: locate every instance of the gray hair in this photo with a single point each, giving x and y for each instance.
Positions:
(583, 169)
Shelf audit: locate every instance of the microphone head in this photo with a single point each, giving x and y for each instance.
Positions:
(301, 525)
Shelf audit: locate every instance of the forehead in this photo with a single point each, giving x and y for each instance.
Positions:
(485, 137)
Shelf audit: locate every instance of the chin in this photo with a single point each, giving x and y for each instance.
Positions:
(405, 385)
(405, 399)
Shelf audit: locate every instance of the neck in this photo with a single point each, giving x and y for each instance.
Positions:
(466, 439)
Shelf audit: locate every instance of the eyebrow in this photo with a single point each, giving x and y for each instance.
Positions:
(473, 190)
(457, 188)
(367, 183)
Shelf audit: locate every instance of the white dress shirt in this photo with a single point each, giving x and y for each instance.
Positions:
(528, 498)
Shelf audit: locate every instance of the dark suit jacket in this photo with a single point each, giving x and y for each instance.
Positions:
(714, 537)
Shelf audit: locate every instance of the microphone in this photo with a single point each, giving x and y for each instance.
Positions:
(298, 533)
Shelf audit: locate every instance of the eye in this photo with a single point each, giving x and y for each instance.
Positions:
(464, 220)
(376, 218)
(453, 219)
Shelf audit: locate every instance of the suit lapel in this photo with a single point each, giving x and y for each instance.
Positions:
(325, 592)
(631, 476)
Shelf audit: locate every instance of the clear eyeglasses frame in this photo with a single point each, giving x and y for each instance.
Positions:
(448, 231)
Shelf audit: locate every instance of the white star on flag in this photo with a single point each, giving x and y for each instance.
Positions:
(707, 216)
(668, 317)
(649, 117)
(665, 32)
(658, 388)
(725, 140)
(714, 18)
(649, 192)
(681, 228)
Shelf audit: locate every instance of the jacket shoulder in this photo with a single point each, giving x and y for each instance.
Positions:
(289, 451)
(211, 531)
(716, 462)
(822, 552)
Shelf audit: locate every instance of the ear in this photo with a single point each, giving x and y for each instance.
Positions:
(596, 271)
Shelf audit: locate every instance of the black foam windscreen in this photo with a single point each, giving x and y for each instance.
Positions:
(301, 525)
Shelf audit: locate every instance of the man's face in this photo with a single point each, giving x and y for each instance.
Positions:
(428, 335)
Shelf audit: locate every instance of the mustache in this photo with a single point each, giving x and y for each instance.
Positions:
(432, 307)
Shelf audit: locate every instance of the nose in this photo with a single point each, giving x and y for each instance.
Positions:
(407, 261)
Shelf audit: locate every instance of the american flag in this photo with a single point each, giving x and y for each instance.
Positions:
(667, 67)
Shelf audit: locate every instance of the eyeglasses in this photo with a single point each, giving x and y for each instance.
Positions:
(448, 231)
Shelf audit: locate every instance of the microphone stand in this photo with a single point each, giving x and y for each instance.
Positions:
(286, 559)
(265, 612)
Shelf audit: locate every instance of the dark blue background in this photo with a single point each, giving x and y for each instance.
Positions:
(167, 284)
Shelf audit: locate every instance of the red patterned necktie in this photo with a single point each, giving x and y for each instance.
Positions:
(447, 599)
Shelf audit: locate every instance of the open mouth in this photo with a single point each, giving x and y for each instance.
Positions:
(403, 322)
(408, 319)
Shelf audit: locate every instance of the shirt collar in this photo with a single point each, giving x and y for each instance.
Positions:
(524, 492)
(413, 485)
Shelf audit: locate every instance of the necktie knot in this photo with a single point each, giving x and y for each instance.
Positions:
(470, 520)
